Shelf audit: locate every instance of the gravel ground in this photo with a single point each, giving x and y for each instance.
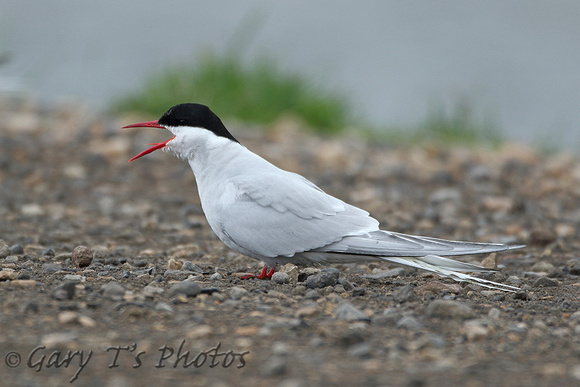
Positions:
(111, 275)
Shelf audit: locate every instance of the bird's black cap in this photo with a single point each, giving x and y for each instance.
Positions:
(196, 115)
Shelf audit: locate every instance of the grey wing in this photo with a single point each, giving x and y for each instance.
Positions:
(283, 214)
(392, 244)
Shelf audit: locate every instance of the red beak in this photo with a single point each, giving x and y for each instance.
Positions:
(158, 145)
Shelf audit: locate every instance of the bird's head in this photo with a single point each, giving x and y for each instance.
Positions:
(187, 122)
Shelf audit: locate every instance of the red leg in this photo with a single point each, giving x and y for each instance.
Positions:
(264, 274)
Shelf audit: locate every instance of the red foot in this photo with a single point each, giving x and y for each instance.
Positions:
(265, 274)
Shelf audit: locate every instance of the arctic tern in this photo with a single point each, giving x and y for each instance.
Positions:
(279, 217)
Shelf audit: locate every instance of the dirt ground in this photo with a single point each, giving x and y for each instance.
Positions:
(161, 304)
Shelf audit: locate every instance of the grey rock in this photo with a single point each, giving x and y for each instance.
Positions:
(16, 249)
(404, 294)
(189, 266)
(572, 266)
(358, 291)
(346, 311)
(360, 350)
(389, 317)
(281, 278)
(113, 290)
(312, 294)
(409, 322)
(274, 366)
(216, 277)
(52, 267)
(327, 277)
(186, 288)
(151, 290)
(348, 286)
(164, 307)
(450, 309)
(545, 282)
(65, 291)
(237, 293)
(4, 249)
(81, 256)
(73, 277)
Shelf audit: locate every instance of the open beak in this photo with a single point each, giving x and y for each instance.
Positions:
(157, 145)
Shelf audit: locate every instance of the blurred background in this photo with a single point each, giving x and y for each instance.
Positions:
(507, 70)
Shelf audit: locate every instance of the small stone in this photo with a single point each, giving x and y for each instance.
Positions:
(65, 291)
(16, 249)
(52, 267)
(389, 317)
(543, 267)
(58, 339)
(164, 307)
(274, 366)
(437, 287)
(326, 277)
(409, 322)
(494, 313)
(281, 278)
(490, 262)
(73, 277)
(8, 274)
(174, 264)
(292, 271)
(24, 283)
(450, 309)
(572, 265)
(404, 294)
(216, 277)
(307, 311)
(346, 311)
(360, 350)
(68, 317)
(189, 266)
(185, 288)
(81, 256)
(237, 293)
(151, 290)
(358, 291)
(299, 290)
(312, 294)
(545, 282)
(48, 252)
(4, 249)
(348, 286)
(474, 330)
(12, 259)
(87, 322)
(113, 290)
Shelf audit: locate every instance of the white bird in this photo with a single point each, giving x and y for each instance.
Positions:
(279, 217)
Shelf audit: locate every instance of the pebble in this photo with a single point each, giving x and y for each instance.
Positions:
(12, 259)
(306, 311)
(237, 293)
(404, 294)
(81, 256)
(174, 264)
(4, 249)
(543, 266)
(281, 278)
(348, 286)
(450, 309)
(189, 266)
(346, 311)
(184, 288)
(151, 290)
(389, 317)
(409, 322)
(216, 277)
(572, 265)
(48, 252)
(545, 282)
(74, 278)
(113, 290)
(475, 330)
(437, 287)
(358, 291)
(299, 290)
(360, 350)
(542, 237)
(274, 366)
(52, 267)
(8, 274)
(65, 291)
(164, 307)
(312, 294)
(68, 317)
(16, 249)
(28, 283)
(326, 277)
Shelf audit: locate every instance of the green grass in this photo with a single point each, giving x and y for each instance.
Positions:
(260, 93)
